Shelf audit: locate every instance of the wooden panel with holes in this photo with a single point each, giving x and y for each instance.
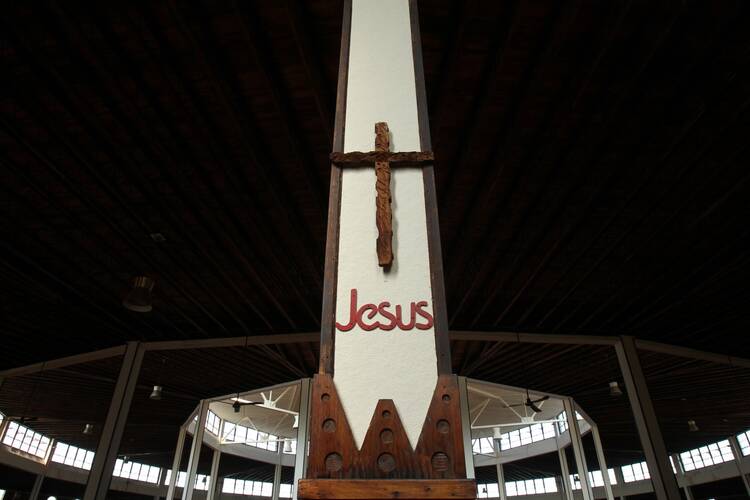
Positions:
(386, 452)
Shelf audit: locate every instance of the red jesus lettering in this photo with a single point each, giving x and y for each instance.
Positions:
(363, 316)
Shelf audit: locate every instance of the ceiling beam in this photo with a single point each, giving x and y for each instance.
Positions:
(63, 362)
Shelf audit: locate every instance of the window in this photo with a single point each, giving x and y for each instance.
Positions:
(285, 490)
(744, 440)
(635, 472)
(530, 487)
(136, 471)
(234, 433)
(73, 456)
(712, 454)
(202, 482)
(514, 439)
(254, 488)
(595, 478)
(213, 423)
(22, 438)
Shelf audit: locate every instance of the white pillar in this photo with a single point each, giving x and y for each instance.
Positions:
(176, 463)
(566, 488)
(575, 441)
(466, 427)
(500, 472)
(602, 462)
(195, 451)
(212, 491)
(737, 451)
(300, 459)
(277, 472)
(662, 478)
(109, 442)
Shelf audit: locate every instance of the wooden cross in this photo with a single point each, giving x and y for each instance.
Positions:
(383, 158)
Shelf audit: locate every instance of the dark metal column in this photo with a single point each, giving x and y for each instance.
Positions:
(657, 458)
(117, 415)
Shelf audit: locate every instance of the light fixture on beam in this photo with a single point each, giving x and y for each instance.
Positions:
(88, 429)
(139, 298)
(614, 389)
(692, 426)
(156, 393)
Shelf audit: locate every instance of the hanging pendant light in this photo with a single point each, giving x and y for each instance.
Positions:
(295, 425)
(614, 389)
(156, 393)
(692, 426)
(88, 429)
(138, 298)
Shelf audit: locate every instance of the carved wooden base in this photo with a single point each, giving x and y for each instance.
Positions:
(378, 489)
(386, 452)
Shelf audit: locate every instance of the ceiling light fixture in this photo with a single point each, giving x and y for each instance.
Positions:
(692, 426)
(138, 298)
(156, 393)
(614, 389)
(88, 429)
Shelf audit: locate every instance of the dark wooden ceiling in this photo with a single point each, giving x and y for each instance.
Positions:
(589, 170)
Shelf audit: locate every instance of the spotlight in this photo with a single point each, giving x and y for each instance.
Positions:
(236, 406)
(614, 390)
(296, 422)
(88, 429)
(156, 393)
(692, 426)
(138, 298)
(125, 459)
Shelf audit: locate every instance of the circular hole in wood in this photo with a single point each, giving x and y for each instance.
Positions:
(325, 396)
(386, 436)
(329, 425)
(386, 414)
(386, 462)
(440, 461)
(446, 398)
(443, 427)
(333, 462)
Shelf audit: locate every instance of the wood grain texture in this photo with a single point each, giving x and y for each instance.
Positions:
(397, 159)
(392, 457)
(321, 489)
(383, 215)
(440, 309)
(330, 274)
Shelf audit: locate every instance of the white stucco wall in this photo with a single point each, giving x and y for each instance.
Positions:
(373, 365)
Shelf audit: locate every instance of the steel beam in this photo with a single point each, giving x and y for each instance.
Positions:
(466, 426)
(176, 462)
(686, 352)
(737, 452)
(533, 338)
(578, 452)
(38, 480)
(300, 459)
(63, 362)
(195, 451)
(602, 462)
(276, 488)
(290, 338)
(500, 473)
(214, 474)
(665, 484)
(566, 489)
(100, 475)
